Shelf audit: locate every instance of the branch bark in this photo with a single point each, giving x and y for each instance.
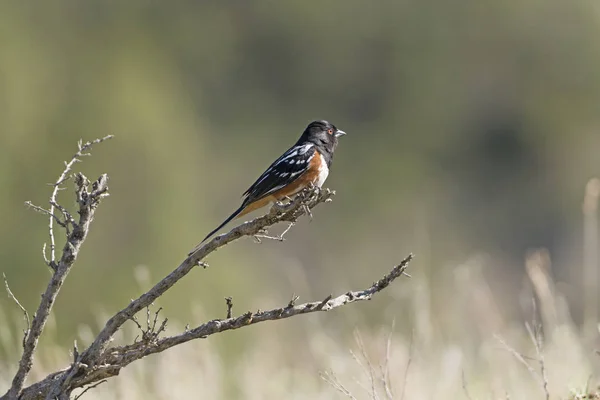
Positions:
(100, 361)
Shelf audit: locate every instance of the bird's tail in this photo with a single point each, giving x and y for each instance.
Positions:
(232, 216)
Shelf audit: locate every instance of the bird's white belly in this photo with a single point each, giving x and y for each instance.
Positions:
(323, 172)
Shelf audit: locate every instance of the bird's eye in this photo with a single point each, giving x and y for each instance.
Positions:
(330, 131)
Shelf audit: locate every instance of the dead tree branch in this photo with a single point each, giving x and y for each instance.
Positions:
(101, 361)
(87, 201)
(279, 213)
(110, 362)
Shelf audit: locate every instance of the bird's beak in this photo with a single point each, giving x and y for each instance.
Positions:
(339, 133)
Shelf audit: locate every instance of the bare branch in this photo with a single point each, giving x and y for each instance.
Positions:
(110, 362)
(87, 202)
(130, 353)
(278, 213)
(61, 179)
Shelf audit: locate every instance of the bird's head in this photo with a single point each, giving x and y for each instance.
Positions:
(323, 134)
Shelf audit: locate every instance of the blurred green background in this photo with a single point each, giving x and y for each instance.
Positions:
(473, 126)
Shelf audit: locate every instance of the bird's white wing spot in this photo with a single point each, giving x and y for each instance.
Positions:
(306, 147)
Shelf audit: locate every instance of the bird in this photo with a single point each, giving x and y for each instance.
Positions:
(304, 164)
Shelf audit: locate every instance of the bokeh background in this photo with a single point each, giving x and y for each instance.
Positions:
(473, 130)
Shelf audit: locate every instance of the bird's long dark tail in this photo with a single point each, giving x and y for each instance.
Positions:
(232, 216)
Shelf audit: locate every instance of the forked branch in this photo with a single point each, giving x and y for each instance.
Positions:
(87, 201)
(110, 362)
(279, 213)
(100, 361)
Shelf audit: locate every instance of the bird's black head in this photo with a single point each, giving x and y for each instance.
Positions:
(323, 134)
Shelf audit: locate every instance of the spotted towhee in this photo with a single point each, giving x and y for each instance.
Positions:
(305, 163)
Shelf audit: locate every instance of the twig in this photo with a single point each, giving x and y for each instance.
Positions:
(293, 301)
(369, 370)
(44, 211)
(156, 318)
(385, 368)
(45, 256)
(332, 380)
(536, 338)
(229, 303)
(519, 357)
(408, 363)
(279, 238)
(150, 334)
(324, 302)
(135, 321)
(356, 380)
(25, 313)
(89, 387)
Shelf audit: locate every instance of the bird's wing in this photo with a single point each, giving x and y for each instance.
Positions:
(285, 170)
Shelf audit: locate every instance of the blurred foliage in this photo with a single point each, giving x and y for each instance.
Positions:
(472, 126)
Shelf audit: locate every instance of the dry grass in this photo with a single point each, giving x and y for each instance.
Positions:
(378, 364)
